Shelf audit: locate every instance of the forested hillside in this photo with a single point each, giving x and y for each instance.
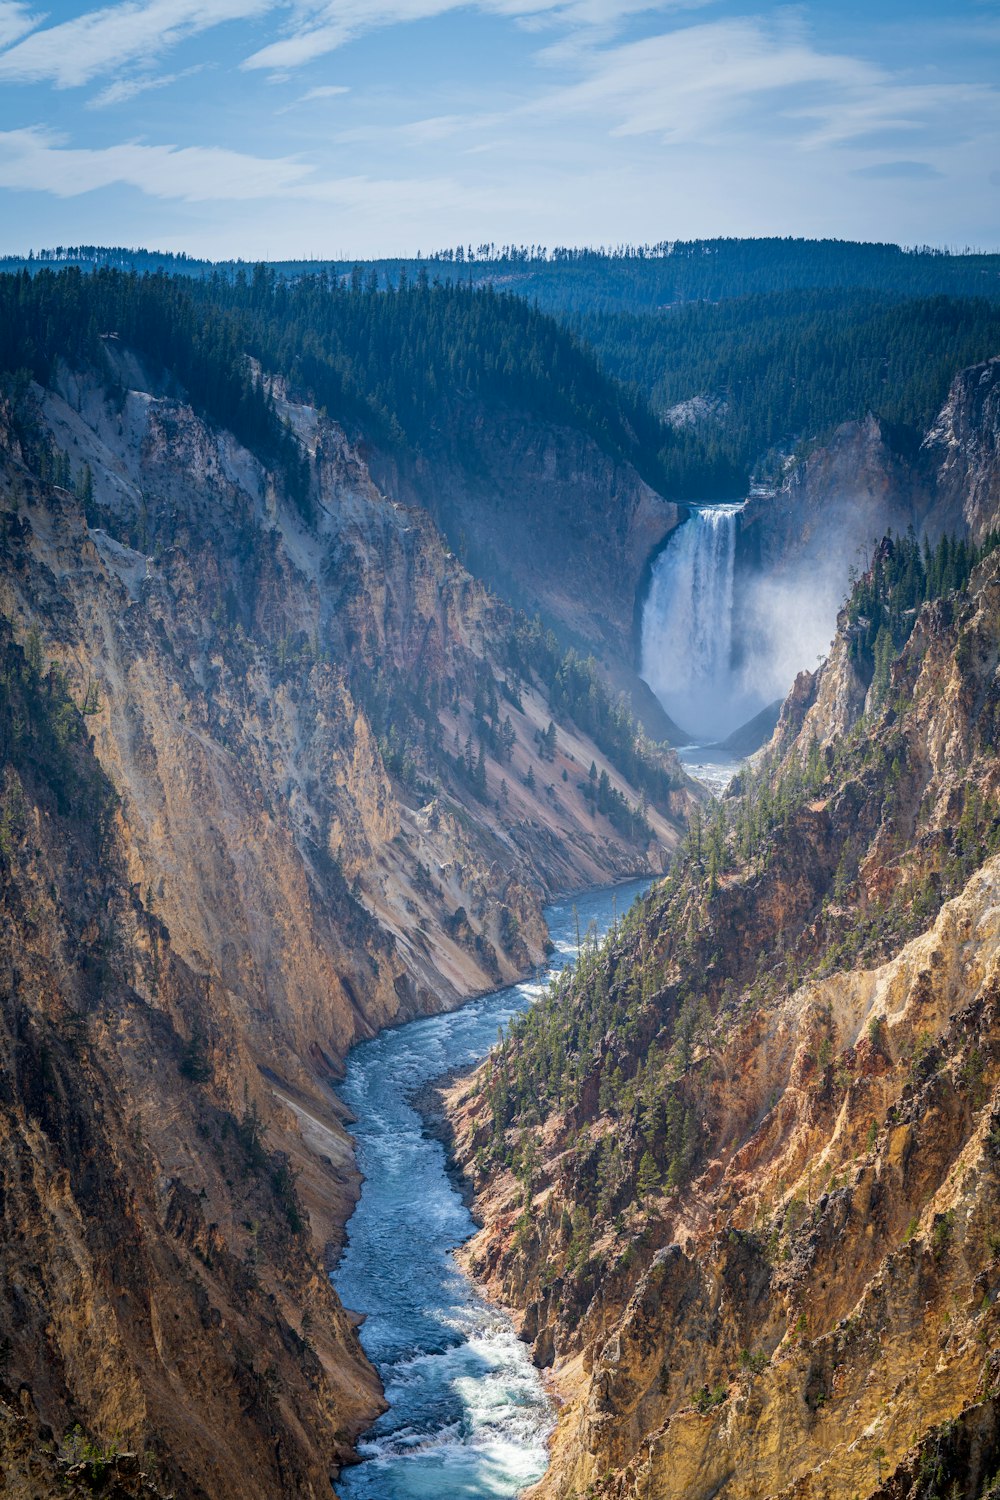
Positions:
(732, 353)
(69, 317)
(382, 362)
(393, 359)
(768, 373)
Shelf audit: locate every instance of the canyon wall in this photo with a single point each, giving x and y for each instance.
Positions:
(741, 1177)
(322, 797)
(543, 514)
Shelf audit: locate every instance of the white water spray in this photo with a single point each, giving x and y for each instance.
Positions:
(714, 669)
(688, 625)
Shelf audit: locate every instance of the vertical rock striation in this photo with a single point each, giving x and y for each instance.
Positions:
(271, 831)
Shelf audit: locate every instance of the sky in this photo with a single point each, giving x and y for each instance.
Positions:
(356, 128)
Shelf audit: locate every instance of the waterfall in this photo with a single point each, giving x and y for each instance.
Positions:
(687, 626)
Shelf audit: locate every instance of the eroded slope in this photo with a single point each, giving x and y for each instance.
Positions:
(741, 1175)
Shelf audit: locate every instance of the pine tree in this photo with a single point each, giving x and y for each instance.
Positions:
(648, 1181)
(85, 486)
(885, 652)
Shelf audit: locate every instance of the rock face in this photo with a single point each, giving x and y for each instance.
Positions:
(545, 516)
(161, 1293)
(832, 508)
(295, 813)
(799, 545)
(752, 1228)
(837, 503)
(964, 448)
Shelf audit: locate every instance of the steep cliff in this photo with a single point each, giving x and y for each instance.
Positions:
(740, 1175)
(964, 447)
(335, 801)
(161, 1292)
(847, 493)
(543, 514)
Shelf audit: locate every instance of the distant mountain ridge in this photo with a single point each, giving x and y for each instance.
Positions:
(629, 277)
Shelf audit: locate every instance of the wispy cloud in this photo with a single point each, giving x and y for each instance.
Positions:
(125, 89)
(906, 170)
(15, 20)
(732, 81)
(317, 29)
(75, 52)
(324, 91)
(413, 132)
(38, 159)
(701, 81)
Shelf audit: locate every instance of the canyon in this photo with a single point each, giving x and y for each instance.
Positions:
(245, 843)
(306, 718)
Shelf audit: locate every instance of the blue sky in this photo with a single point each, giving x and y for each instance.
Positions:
(363, 127)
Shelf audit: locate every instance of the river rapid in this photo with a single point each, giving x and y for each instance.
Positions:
(468, 1416)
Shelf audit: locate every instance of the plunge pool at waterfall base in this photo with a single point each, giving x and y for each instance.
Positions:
(468, 1416)
(710, 764)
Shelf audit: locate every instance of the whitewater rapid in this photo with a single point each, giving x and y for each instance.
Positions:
(468, 1416)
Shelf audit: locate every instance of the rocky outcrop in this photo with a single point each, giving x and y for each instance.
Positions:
(32, 1468)
(964, 448)
(799, 543)
(837, 503)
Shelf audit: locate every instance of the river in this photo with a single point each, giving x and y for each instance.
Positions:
(468, 1416)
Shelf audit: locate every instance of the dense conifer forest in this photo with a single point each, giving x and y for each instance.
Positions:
(700, 396)
(781, 370)
(393, 360)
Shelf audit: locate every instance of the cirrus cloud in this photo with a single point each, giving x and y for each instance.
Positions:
(74, 52)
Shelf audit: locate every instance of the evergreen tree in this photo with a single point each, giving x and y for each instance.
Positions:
(648, 1180)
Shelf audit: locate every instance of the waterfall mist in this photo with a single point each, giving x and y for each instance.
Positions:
(687, 624)
(711, 668)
